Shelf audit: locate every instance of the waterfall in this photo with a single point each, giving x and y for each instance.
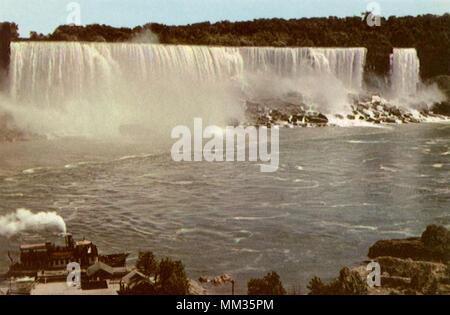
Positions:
(95, 88)
(404, 71)
(346, 64)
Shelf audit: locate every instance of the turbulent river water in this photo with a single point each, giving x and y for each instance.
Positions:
(337, 191)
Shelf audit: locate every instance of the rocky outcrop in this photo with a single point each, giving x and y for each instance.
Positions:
(371, 109)
(412, 248)
(414, 265)
(434, 245)
(408, 266)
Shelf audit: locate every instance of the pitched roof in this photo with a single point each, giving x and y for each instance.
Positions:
(99, 266)
(136, 274)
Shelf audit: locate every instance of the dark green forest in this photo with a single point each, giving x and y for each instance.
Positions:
(429, 34)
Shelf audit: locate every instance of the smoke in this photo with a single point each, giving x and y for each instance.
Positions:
(24, 220)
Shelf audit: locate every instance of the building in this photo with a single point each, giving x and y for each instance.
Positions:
(48, 256)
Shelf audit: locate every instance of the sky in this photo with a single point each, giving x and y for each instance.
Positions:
(44, 16)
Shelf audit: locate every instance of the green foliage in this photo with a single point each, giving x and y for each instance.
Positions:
(169, 277)
(172, 279)
(348, 283)
(147, 264)
(269, 285)
(14, 31)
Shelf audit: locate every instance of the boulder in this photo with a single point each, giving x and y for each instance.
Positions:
(434, 245)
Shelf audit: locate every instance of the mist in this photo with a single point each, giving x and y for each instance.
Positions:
(119, 90)
(146, 36)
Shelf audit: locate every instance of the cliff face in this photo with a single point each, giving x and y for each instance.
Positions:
(412, 266)
(415, 265)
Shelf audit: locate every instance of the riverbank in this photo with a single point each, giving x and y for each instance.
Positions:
(413, 266)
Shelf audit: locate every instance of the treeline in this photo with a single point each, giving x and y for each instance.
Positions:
(429, 34)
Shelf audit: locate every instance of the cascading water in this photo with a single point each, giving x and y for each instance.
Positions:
(346, 64)
(95, 88)
(404, 72)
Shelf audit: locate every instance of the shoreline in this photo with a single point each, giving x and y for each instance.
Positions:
(411, 266)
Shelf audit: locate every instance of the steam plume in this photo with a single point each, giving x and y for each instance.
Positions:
(24, 220)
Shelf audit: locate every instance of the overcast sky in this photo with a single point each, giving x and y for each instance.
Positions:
(44, 16)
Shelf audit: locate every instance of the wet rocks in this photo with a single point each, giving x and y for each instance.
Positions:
(371, 109)
(271, 113)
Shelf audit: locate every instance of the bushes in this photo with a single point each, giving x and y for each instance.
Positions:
(348, 283)
(269, 285)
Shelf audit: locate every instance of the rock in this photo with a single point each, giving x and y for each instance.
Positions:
(317, 119)
(390, 120)
(436, 236)
(442, 108)
(395, 111)
(262, 120)
(410, 248)
(408, 266)
(195, 288)
(434, 245)
(351, 117)
(395, 282)
(203, 279)
(275, 114)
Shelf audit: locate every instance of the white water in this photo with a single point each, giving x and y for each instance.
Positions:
(106, 90)
(405, 68)
(345, 64)
(98, 88)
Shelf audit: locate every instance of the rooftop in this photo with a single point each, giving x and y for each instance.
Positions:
(33, 246)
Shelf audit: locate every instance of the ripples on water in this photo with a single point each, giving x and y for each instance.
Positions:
(337, 191)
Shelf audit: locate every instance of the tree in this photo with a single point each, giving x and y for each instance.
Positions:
(14, 31)
(169, 277)
(348, 283)
(147, 264)
(269, 285)
(172, 279)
